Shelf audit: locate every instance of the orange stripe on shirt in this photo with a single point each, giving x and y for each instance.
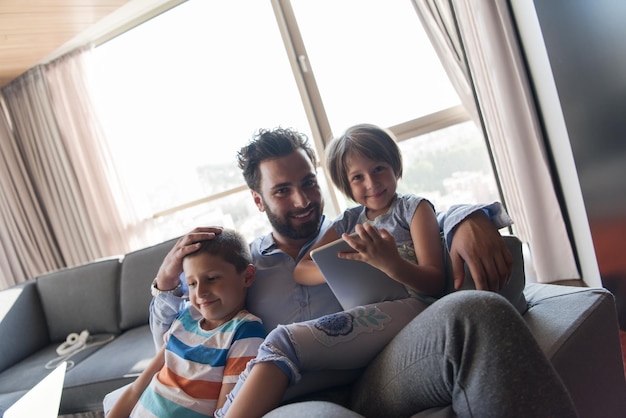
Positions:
(199, 389)
(234, 366)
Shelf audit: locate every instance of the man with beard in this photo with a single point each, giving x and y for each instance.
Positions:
(280, 169)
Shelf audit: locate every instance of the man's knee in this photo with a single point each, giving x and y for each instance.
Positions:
(473, 304)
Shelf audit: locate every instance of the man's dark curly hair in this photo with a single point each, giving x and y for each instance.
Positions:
(270, 144)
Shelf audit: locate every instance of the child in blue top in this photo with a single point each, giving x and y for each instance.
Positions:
(393, 232)
(209, 343)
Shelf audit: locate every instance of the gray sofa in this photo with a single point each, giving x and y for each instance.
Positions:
(109, 298)
(576, 327)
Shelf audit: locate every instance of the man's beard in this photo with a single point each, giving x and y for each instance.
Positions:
(285, 227)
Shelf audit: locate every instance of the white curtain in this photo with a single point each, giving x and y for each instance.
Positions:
(59, 191)
(481, 54)
(107, 208)
(27, 246)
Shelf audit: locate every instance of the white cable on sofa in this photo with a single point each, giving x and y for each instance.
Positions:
(73, 344)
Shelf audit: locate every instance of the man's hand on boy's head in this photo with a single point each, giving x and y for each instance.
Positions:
(172, 266)
(477, 242)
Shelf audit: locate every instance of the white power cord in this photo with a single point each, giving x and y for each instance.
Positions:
(74, 343)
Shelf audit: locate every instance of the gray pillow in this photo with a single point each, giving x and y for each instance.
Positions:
(82, 297)
(139, 269)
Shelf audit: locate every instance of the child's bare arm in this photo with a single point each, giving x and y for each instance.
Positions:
(262, 392)
(306, 271)
(125, 404)
(224, 390)
(378, 248)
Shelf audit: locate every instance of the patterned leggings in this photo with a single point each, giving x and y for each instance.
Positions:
(342, 341)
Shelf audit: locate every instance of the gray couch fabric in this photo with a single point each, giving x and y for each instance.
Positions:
(576, 327)
(109, 298)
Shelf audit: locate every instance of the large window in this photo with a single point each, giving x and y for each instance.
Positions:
(181, 93)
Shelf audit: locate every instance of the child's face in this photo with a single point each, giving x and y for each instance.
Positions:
(373, 183)
(216, 290)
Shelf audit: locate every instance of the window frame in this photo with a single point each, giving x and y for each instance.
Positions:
(309, 93)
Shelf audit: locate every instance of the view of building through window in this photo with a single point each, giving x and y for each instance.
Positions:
(181, 93)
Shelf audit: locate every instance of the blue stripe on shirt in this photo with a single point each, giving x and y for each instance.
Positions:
(250, 330)
(200, 354)
(163, 407)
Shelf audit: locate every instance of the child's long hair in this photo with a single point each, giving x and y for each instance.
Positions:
(369, 141)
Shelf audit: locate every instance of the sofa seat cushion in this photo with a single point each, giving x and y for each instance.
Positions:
(313, 409)
(116, 364)
(30, 371)
(8, 399)
(18, 379)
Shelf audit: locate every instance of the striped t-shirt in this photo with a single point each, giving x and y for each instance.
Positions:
(197, 362)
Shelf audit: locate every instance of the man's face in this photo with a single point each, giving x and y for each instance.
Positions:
(290, 196)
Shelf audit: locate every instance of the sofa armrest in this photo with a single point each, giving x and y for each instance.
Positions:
(20, 306)
(577, 329)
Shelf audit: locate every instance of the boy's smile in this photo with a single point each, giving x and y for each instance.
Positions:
(216, 289)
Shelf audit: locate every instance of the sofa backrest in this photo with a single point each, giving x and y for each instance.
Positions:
(20, 308)
(139, 268)
(82, 297)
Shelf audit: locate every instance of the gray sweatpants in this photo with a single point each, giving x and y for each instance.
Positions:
(471, 350)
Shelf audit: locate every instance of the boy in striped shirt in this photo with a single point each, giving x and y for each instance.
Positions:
(209, 343)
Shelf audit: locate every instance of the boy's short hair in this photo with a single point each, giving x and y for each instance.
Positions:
(229, 245)
(369, 141)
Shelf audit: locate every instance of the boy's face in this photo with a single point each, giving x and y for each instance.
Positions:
(216, 290)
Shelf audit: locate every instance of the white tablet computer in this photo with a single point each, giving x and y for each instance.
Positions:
(353, 282)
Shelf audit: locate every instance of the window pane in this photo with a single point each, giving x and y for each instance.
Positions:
(180, 94)
(372, 61)
(449, 166)
(235, 211)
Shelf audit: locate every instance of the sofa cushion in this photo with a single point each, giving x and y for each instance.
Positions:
(8, 399)
(139, 269)
(82, 297)
(113, 366)
(577, 329)
(30, 371)
(20, 305)
(312, 409)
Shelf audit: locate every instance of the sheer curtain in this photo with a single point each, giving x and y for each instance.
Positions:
(107, 208)
(59, 192)
(491, 67)
(27, 246)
